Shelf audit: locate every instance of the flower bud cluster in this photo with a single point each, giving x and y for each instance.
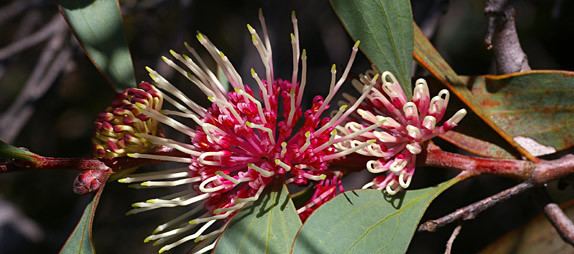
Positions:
(119, 128)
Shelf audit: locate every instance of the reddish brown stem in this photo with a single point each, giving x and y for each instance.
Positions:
(532, 173)
(512, 168)
(553, 169)
(81, 164)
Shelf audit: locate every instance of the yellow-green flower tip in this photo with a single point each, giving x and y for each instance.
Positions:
(200, 38)
(250, 28)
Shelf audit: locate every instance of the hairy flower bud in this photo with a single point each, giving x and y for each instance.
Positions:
(90, 180)
(120, 129)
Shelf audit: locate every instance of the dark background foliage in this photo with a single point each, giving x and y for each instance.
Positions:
(61, 124)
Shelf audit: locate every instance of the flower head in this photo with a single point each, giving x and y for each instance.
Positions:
(404, 127)
(119, 127)
(244, 141)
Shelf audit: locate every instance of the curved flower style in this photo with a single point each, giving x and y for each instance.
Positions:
(324, 191)
(406, 125)
(245, 141)
(117, 128)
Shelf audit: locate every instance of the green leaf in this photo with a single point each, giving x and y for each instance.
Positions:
(385, 30)
(11, 152)
(98, 26)
(268, 226)
(534, 109)
(80, 241)
(366, 221)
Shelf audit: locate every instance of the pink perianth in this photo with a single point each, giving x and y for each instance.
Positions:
(407, 125)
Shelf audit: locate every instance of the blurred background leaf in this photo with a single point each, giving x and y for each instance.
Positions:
(98, 26)
(385, 30)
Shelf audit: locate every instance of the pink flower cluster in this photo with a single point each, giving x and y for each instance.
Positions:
(259, 135)
(404, 127)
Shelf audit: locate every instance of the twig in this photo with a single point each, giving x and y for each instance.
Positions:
(503, 38)
(51, 63)
(10, 215)
(537, 173)
(455, 233)
(49, 163)
(471, 211)
(28, 24)
(38, 162)
(430, 23)
(54, 26)
(560, 221)
(547, 171)
(532, 174)
(13, 9)
(563, 225)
